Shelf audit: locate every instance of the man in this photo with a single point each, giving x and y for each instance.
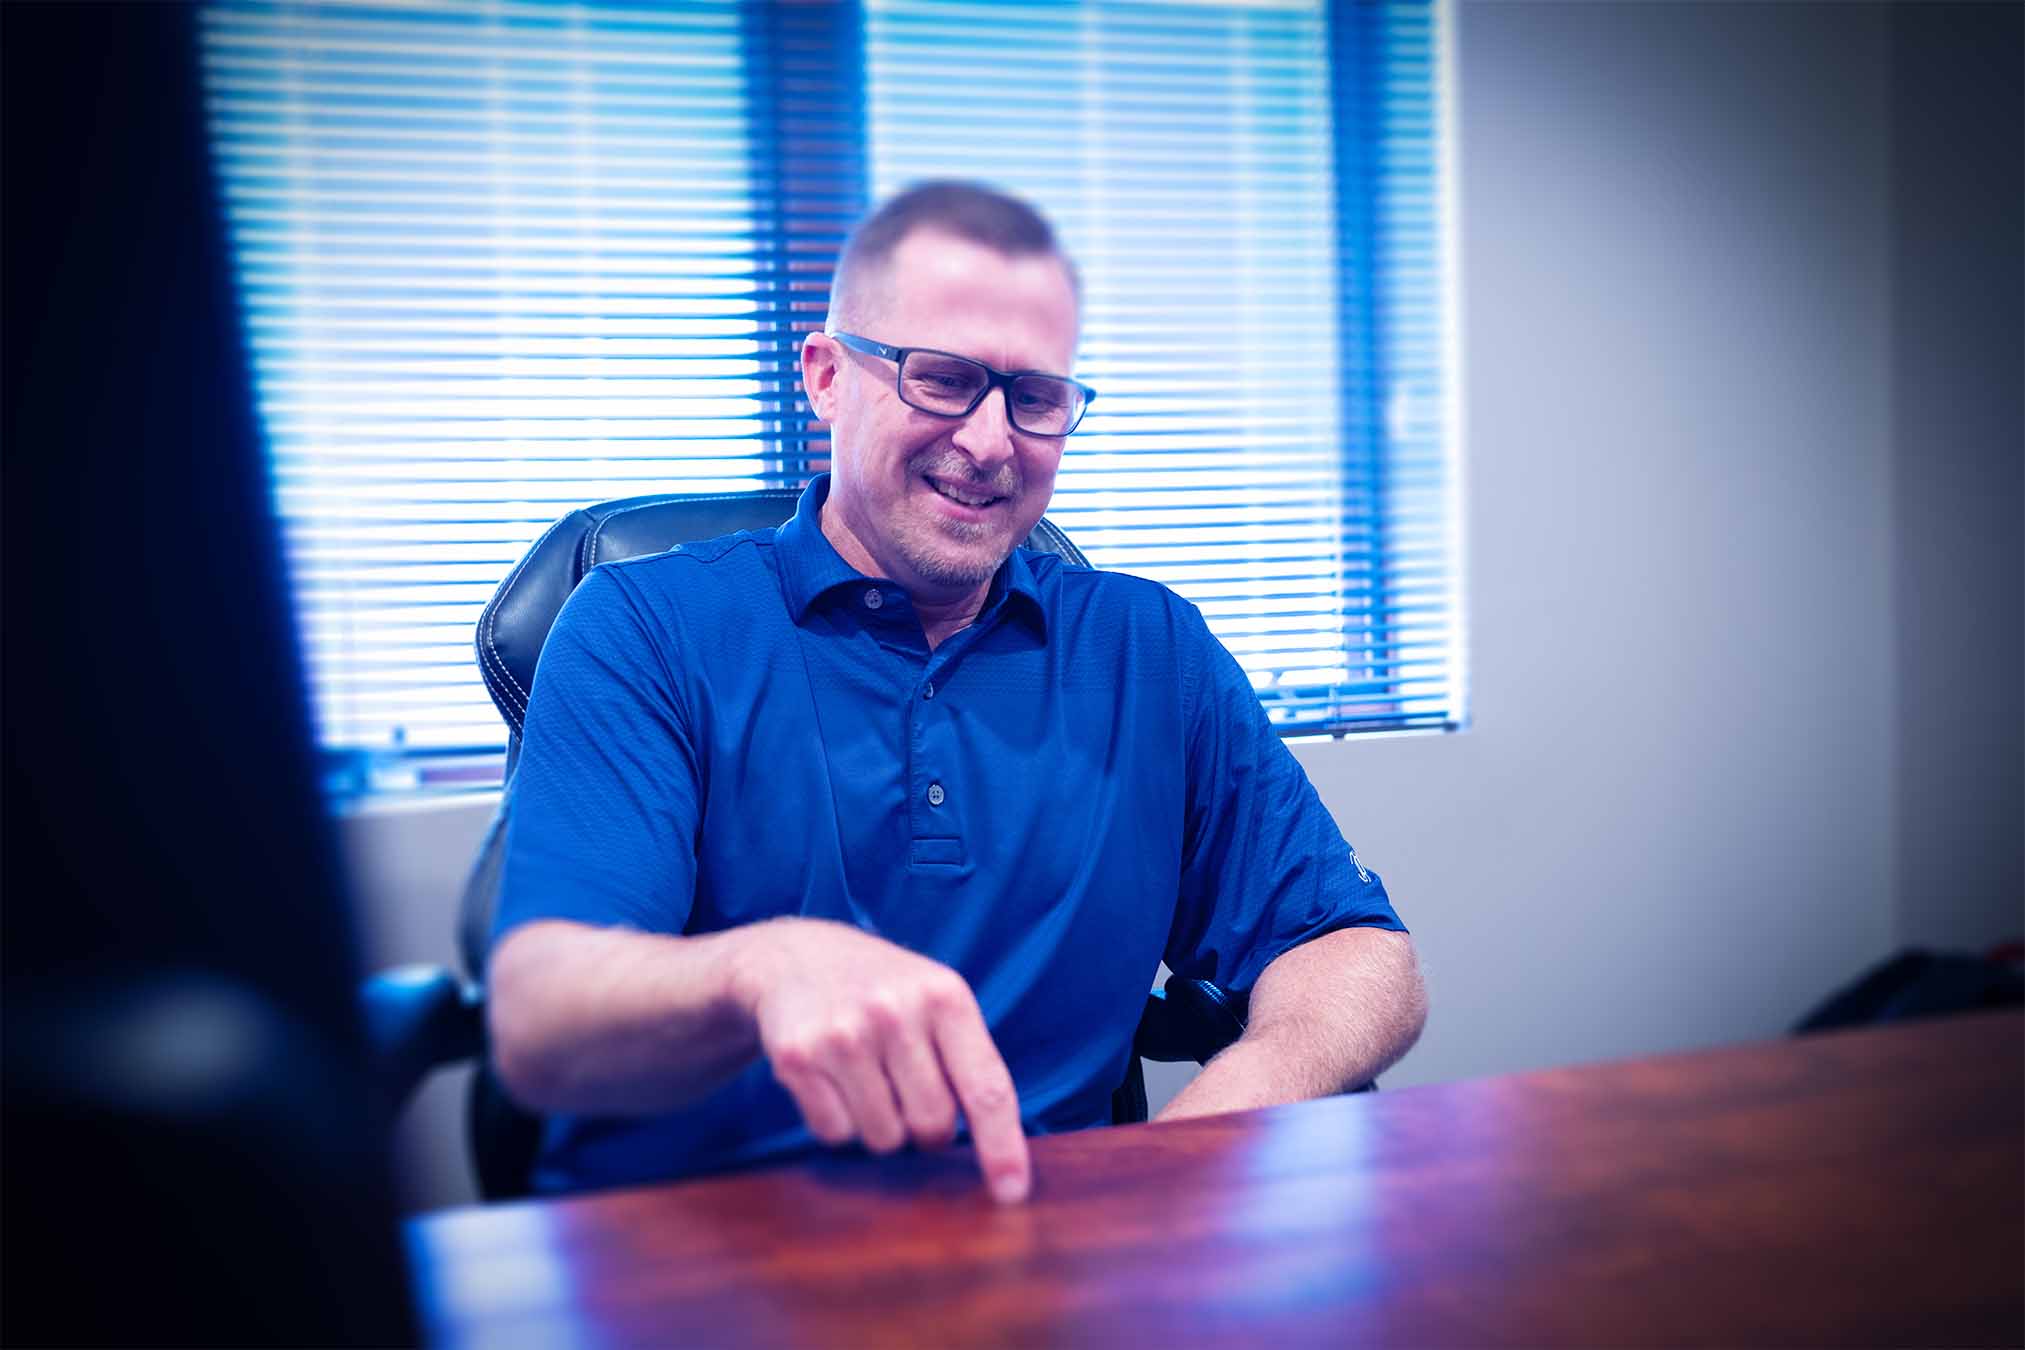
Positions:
(838, 831)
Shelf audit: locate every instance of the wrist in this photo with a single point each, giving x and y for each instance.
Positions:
(752, 960)
(743, 956)
(1255, 1071)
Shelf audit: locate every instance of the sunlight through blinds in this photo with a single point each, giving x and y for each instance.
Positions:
(1187, 154)
(496, 262)
(502, 258)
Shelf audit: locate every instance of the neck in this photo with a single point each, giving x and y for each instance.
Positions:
(939, 624)
(943, 610)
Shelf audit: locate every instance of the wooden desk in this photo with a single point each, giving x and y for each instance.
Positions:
(1855, 1188)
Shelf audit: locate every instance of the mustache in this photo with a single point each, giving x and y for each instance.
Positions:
(959, 472)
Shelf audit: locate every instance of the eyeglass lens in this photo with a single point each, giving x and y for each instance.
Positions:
(1041, 405)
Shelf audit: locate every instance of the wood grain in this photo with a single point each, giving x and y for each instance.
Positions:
(1860, 1188)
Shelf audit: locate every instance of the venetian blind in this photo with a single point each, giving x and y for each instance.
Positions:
(1268, 439)
(497, 261)
(500, 259)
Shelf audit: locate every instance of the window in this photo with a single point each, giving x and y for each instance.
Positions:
(501, 259)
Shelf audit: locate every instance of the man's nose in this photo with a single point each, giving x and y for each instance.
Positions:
(985, 434)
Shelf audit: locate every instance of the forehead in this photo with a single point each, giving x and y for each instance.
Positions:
(939, 290)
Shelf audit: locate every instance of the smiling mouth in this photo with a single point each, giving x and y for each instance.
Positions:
(969, 497)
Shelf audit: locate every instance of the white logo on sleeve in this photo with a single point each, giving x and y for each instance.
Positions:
(1358, 862)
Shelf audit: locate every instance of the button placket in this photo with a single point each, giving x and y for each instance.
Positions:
(932, 807)
(917, 770)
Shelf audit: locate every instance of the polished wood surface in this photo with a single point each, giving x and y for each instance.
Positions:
(1857, 1188)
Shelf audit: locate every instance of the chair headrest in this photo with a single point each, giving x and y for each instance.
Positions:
(516, 621)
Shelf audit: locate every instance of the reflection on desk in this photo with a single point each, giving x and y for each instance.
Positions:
(1862, 1187)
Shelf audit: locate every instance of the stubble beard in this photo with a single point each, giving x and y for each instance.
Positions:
(963, 565)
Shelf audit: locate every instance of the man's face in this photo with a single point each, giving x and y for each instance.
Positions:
(896, 471)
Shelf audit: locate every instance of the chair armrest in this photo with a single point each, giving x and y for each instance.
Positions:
(418, 1019)
(1188, 1019)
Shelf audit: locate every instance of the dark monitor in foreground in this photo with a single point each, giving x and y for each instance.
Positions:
(189, 1152)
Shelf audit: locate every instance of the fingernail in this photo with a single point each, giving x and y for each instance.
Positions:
(1009, 1188)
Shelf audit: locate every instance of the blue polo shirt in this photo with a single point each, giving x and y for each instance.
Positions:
(1075, 787)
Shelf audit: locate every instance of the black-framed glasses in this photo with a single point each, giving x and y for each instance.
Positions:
(949, 385)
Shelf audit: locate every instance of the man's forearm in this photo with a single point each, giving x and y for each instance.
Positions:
(612, 1020)
(1328, 1015)
(874, 1042)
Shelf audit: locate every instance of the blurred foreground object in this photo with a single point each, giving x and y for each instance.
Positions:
(190, 1153)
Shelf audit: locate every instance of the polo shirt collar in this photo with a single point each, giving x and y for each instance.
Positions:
(811, 567)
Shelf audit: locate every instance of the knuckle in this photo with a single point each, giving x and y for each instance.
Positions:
(886, 1013)
(794, 1057)
(946, 993)
(935, 1127)
(993, 1093)
(845, 1038)
(827, 1128)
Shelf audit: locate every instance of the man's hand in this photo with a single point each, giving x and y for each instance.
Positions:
(877, 1043)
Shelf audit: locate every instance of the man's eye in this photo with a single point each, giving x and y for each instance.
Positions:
(943, 380)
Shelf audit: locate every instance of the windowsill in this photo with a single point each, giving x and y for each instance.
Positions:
(1347, 737)
(414, 803)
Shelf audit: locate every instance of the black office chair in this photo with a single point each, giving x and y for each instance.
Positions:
(419, 1019)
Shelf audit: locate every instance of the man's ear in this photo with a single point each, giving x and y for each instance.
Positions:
(821, 365)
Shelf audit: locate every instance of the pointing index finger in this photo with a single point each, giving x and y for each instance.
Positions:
(984, 1088)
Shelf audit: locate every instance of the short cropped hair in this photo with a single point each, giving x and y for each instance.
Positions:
(971, 211)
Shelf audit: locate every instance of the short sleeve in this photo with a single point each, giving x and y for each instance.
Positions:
(605, 796)
(1264, 867)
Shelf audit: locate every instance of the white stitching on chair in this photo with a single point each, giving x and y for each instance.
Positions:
(1053, 533)
(493, 665)
(487, 647)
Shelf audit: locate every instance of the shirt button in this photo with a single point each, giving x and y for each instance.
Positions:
(936, 794)
(873, 599)
(929, 690)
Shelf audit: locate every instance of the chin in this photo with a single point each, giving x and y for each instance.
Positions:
(946, 568)
(948, 562)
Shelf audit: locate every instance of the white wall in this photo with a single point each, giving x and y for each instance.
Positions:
(408, 865)
(1673, 821)
(1958, 418)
